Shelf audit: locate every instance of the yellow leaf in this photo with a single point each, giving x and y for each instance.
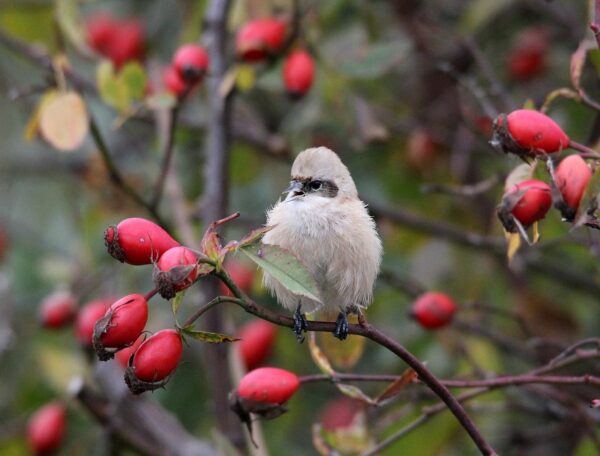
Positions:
(346, 354)
(536, 232)
(318, 356)
(245, 78)
(64, 121)
(34, 122)
(514, 242)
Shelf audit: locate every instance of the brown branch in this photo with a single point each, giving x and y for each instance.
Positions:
(167, 154)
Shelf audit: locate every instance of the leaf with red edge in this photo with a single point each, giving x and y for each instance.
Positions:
(408, 376)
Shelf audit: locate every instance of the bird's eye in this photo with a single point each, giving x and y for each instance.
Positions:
(315, 185)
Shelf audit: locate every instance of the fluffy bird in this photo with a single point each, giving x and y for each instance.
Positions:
(324, 223)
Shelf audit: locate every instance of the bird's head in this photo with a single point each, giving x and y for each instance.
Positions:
(319, 172)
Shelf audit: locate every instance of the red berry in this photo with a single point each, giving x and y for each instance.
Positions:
(242, 275)
(191, 62)
(46, 428)
(173, 82)
(257, 339)
(58, 309)
(530, 131)
(421, 150)
(268, 385)
(121, 325)
(340, 413)
(137, 241)
(260, 39)
(534, 200)
(433, 310)
(123, 355)
(157, 357)
(527, 58)
(571, 178)
(99, 31)
(175, 270)
(298, 72)
(118, 40)
(86, 319)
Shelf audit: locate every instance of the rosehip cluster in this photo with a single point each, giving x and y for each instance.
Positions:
(265, 39)
(531, 134)
(187, 70)
(118, 40)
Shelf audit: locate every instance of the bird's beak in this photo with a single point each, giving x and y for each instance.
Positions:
(294, 189)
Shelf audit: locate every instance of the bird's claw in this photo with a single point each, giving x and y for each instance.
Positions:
(299, 324)
(341, 327)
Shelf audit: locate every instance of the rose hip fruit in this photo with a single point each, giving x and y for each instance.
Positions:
(433, 310)
(572, 176)
(173, 82)
(529, 133)
(46, 428)
(155, 359)
(118, 40)
(260, 39)
(269, 385)
(58, 309)
(340, 413)
(123, 355)
(298, 73)
(120, 326)
(530, 201)
(191, 62)
(242, 275)
(175, 270)
(527, 57)
(256, 342)
(86, 319)
(137, 241)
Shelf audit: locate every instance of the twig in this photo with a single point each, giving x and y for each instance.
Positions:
(202, 310)
(115, 175)
(588, 151)
(470, 190)
(167, 158)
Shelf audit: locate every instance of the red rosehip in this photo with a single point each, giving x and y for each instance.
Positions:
(433, 310)
(123, 355)
(527, 57)
(256, 342)
(173, 82)
(298, 72)
(175, 270)
(340, 413)
(191, 62)
(118, 40)
(421, 150)
(120, 326)
(571, 177)
(242, 275)
(155, 359)
(260, 39)
(86, 319)
(530, 201)
(529, 133)
(58, 309)
(269, 385)
(137, 241)
(46, 428)
(99, 32)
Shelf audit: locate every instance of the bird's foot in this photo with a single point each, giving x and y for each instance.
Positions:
(341, 326)
(299, 324)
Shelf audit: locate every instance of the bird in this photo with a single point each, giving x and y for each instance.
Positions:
(323, 222)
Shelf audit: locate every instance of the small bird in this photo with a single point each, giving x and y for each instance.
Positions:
(324, 223)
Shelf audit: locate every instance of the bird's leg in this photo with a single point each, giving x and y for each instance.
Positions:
(299, 324)
(341, 326)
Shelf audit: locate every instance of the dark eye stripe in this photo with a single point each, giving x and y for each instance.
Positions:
(324, 188)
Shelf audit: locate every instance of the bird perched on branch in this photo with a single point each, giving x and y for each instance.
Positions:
(324, 223)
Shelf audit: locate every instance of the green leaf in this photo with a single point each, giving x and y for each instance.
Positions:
(355, 393)
(375, 61)
(176, 303)
(206, 336)
(133, 76)
(67, 16)
(113, 91)
(284, 267)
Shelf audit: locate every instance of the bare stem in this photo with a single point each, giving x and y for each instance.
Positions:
(588, 151)
(167, 159)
